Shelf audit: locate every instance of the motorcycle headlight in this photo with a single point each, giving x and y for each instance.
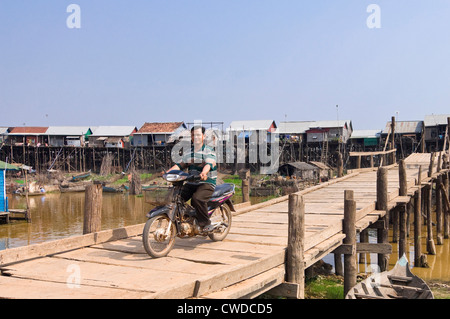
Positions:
(172, 177)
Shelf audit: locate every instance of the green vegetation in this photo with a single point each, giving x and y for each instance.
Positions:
(234, 179)
(324, 287)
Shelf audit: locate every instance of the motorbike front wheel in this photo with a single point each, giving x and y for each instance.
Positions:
(158, 238)
(221, 215)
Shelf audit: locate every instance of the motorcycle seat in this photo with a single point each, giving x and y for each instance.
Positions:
(222, 189)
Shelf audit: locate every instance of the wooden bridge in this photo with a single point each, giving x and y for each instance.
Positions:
(252, 259)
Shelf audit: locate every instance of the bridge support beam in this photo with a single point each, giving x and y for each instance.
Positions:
(349, 229)
(295, 264)
(381, 204)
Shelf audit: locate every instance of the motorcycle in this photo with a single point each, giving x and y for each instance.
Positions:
(173, 217)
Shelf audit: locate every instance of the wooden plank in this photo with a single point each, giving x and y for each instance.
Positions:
(12, 255)
(252, 287)
(236, 274)
(99, 275)
(19, 288)
(199, 263)
(320, 251)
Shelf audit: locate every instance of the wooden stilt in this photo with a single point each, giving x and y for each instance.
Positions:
(446, 201)
(349, 229)
(403, 191)
(295, 265)
(381, 204)
(431, 249)
(93, 209)
(439, 237)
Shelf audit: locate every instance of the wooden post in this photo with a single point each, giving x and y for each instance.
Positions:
(439, 237)
(338, 268)
(438, 168)
(393, 155)
(340, 164)
(363, 238)
(337, 257)
(93, 208)
(135, 183)
(403, 191)
(447, 205)
(295, 264)
(430, 167)
(381, 204)
(245, 190)
(431, 249)
(402, 243)
(395, 215)
(349, 229)
(417, 228)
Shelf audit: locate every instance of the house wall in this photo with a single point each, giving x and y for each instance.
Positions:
(140, 140)
(315, 136)
(432, 132)
(57, 141)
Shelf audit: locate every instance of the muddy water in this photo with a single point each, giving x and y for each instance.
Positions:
(439, 264)
(60, 215)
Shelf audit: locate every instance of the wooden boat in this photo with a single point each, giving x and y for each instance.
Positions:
(72, 189)
(398, 283)
(108, 189)
(80, 176)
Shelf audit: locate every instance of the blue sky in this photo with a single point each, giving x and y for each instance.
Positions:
(222, 60)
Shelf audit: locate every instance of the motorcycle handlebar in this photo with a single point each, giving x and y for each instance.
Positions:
(194, 177)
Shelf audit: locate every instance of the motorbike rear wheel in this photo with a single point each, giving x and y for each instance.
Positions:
(221, 214)
(157, 242)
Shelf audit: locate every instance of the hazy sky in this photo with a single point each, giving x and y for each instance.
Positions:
(222, 60)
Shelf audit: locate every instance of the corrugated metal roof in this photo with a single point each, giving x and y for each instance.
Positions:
(330, 124)
(293, 127)
(405, 127)
(436, 119)
(301, 166)
(303, 126)
(114, 130)
(67, 130)
(320, 165)
(251, 125)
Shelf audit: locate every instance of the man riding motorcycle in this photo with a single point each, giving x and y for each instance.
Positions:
(201, 158)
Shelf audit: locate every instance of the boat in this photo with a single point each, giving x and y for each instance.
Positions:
(81, 176)
(398, 283)
(108, 189)
(72, 189)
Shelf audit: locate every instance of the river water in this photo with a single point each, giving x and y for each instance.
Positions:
(60, 215)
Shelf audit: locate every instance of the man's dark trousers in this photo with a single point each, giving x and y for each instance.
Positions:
(199, 195)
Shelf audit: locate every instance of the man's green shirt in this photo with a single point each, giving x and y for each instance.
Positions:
(195, 161)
